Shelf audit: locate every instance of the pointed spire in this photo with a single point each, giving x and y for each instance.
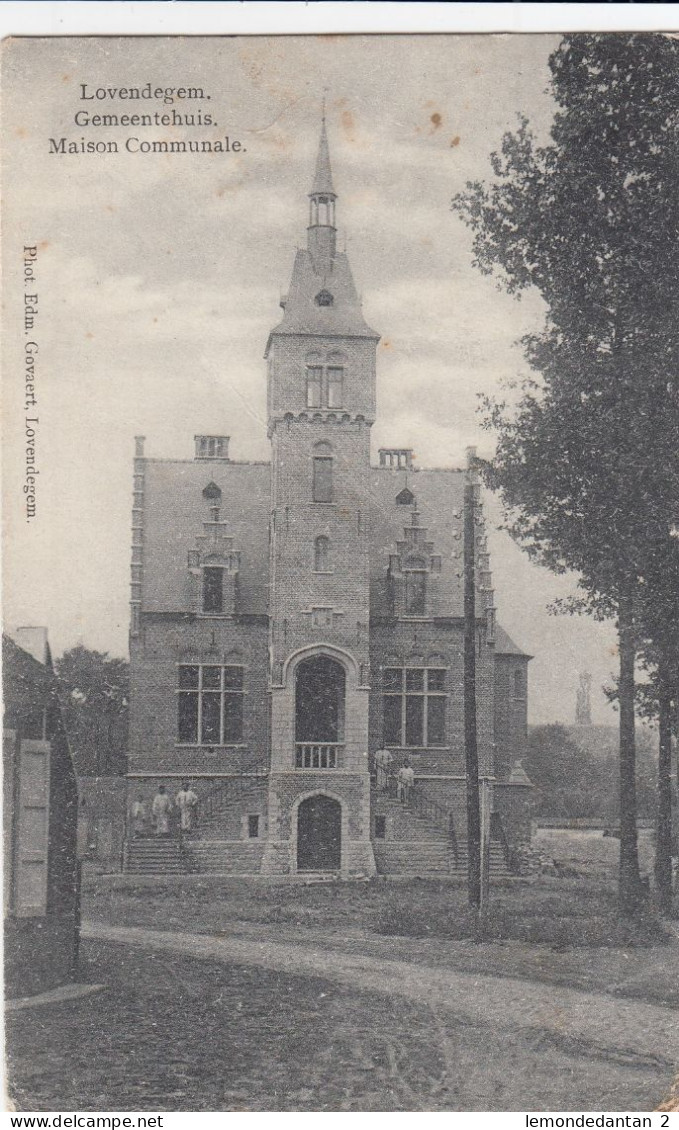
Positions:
(322, 185)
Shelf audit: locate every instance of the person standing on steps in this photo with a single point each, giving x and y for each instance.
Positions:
(160, 811)
(406, 780)
(187, 802)
(138, 817)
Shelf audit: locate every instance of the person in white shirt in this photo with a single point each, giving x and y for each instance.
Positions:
(406, 780)
(186, 801)
(138, 817)
(160, 811)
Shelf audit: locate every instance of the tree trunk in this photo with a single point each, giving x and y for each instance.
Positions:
(663, 844)
(629, 888)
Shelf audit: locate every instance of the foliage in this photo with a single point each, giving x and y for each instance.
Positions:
(587, 460)
(579, 779)
(94, 693)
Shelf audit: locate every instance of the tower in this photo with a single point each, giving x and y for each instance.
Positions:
(321, 406)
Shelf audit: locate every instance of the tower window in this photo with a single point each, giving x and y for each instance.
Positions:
(335, 386)
(213, 589)
(322, 479)
(324, 298)
(314, 386)
(322, 554)
(324, 386)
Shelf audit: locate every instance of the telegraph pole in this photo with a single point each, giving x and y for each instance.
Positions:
(474, 890)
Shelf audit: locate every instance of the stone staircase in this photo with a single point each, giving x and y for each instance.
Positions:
(157, 856)
(225, 857)
(418, 845)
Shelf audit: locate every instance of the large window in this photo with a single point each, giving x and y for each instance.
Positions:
(213, 589)
(210, 704)
(414, 704)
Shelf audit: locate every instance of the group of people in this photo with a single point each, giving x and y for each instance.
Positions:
(405, 775)
(162, 807)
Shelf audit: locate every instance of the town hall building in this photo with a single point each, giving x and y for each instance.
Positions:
(290, 619)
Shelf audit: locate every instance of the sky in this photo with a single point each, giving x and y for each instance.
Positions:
(159, 278)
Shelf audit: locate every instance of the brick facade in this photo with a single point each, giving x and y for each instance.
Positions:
(321, 559)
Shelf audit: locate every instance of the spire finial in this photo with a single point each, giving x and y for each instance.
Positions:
(322, 185)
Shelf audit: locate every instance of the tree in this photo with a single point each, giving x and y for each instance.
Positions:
(586, 462)
(94, 691)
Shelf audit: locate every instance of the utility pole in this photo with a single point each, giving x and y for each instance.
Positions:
(474, 889)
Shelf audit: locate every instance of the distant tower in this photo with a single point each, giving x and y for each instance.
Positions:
(583, 703)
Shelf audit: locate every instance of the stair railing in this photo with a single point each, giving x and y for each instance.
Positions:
(497, 832)
(215, 800)
(422, 805)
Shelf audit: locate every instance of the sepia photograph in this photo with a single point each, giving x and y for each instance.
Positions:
(341, 574)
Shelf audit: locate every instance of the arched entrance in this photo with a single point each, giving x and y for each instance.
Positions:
(319, 834)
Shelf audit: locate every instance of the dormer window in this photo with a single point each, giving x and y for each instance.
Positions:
(212, 493)
(405, 497)
(324, 298)
(213, 589)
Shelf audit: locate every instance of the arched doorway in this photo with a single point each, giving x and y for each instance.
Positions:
(319, 834)
(320, 687)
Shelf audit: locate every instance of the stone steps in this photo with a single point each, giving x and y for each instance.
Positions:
(235, 857)
(402, 857)
(156, 857)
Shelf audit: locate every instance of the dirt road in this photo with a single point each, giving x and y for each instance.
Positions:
(645, 1034)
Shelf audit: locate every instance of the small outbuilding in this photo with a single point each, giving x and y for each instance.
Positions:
(41, 884)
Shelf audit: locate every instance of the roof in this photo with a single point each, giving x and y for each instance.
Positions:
(174, 512)
(302, 313)
(322, 185)
(504, 644)
(439, 497)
